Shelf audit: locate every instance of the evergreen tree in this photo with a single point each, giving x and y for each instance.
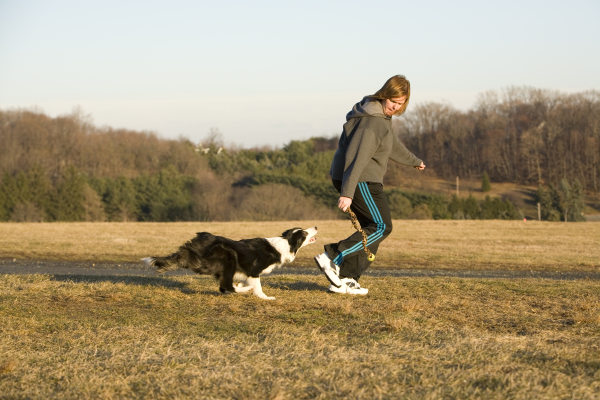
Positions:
(166, 196)
(3, 203)
(8, 196)
(565, 198)
(576, 203)
(554, 210)
(223, 163)
(32, 193)
(40, 189)
(456, 208)
(545, 199)
(497, 208)
(119, 199)
(297, 158)
(68, 198)
(471, 208)
(485, 183)
(509, 211)
(175, 202)
(489, 208)
(94, 208)
(298, 151)
(22, 194)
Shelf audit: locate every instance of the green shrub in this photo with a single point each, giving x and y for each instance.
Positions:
(471, 208)
(485, 183)
(421, 211)
(566, 200)
(400, 206)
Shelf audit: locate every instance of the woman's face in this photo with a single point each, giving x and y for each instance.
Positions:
(391, 106)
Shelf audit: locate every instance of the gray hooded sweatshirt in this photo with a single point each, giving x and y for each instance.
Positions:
(365, 146)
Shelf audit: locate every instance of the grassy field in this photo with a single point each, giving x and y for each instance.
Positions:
(464, 245)
(419, 338)
(171, 337)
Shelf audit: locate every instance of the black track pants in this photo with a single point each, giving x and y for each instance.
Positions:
(372, 210)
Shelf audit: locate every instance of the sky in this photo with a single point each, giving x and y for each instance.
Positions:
(268, 72)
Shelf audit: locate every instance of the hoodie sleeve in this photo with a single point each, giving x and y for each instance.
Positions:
(360, 150)
(402, 155)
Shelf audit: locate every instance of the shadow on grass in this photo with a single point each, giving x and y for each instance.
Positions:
(126, 279)
(157, 281)
(297, 286)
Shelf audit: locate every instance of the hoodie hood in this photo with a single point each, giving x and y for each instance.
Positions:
(367, 107)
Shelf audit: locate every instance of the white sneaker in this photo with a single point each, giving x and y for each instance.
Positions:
(329, 268)
(349, 286)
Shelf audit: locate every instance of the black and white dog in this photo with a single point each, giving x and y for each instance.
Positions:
(245, 259)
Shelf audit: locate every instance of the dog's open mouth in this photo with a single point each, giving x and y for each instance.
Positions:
(312, 239)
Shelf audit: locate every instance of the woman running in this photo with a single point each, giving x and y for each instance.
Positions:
(366, 144)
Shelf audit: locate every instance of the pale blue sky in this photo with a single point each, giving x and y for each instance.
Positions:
(267, 72)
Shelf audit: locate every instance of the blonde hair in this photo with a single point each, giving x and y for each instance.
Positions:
(396, 86)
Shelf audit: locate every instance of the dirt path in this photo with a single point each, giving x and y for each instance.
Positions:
(14, 266)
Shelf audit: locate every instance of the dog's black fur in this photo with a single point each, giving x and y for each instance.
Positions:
(222, 257)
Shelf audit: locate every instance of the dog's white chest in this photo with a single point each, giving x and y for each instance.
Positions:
(283, 247)
(270, 269)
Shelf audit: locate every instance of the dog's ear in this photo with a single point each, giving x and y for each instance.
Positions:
(297, 240)
(288, 234)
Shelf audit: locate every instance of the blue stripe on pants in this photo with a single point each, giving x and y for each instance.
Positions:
(378, 234)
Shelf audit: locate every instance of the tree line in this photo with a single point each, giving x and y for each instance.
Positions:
(67, 169)
(521, 134)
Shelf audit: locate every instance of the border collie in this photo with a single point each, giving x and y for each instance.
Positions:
(245, 259)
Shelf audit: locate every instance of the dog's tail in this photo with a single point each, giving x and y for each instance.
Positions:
(163, 264)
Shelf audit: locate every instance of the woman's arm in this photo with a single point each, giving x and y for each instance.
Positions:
(402, 155)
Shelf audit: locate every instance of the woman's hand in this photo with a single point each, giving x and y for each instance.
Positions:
(422, 166)
(344, 203)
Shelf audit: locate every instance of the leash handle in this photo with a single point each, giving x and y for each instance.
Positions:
(356, 224)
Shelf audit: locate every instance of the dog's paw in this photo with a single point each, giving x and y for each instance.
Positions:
(239, 288)
(265, 297)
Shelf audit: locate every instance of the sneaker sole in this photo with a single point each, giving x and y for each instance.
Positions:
(325, 273)
(348, 293)
(330, 290)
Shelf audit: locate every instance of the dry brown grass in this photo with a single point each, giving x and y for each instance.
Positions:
(418, 338)
(463, 245)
